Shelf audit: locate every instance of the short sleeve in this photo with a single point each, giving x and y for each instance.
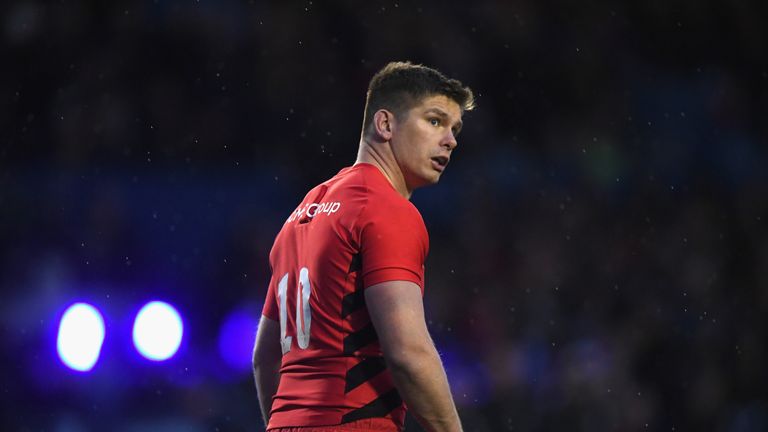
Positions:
(270, 309)
(393, 243)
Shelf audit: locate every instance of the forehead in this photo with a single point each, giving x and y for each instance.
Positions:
(439, 102)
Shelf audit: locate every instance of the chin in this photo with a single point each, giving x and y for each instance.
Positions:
(433, 179)
(425, 178)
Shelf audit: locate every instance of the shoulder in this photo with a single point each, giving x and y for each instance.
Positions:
(393, 218)
(382, 200)
(397, 210)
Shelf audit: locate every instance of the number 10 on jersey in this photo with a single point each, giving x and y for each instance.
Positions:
(303, 291)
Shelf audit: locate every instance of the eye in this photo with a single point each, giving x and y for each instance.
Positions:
(434, 121)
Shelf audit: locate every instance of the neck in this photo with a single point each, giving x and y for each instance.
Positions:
(380, 155)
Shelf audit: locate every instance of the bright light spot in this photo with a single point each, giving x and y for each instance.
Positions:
(157, 331)
(81, 334)
(236, 338)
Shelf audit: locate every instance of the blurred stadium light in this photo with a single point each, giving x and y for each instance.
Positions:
(236, 337)
(80, 337)
(157, 331)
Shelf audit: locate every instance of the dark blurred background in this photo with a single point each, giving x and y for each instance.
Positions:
(599, 249)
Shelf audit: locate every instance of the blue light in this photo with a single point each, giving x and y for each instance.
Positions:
(157, 331)
(237, 336)
(80, 337)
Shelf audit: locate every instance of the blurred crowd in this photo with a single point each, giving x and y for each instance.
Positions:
(599, 253)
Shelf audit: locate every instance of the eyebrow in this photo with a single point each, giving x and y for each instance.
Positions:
(444, 114)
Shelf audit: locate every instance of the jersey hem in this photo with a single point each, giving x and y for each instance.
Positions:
(330, 420)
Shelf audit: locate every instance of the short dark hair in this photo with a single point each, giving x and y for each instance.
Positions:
(400, 86)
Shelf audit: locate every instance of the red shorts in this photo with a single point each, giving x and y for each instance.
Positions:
(364, 425)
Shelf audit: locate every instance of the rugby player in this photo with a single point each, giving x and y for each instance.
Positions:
(342, 344)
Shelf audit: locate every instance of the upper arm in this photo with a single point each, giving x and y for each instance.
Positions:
(397, 312)
(267, 349)
(393, 243)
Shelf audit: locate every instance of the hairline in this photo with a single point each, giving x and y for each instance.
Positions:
(415, 100)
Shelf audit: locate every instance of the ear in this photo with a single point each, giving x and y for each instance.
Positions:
(383, 123)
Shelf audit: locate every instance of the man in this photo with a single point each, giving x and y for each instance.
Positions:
(343, 342)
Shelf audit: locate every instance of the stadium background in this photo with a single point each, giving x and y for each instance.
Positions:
(598, 245)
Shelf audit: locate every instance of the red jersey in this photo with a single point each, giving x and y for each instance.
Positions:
(350, 232)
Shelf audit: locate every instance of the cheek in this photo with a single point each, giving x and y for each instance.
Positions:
(421, 141)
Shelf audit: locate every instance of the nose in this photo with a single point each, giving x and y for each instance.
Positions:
(449, 141)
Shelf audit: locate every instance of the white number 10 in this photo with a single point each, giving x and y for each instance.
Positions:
(303, 290)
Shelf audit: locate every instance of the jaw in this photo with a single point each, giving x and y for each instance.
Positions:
(426, 177)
